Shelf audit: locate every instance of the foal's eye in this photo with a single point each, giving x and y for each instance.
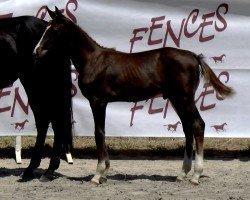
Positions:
(57, 27)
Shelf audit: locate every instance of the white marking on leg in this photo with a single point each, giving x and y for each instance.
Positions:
(18, 148)
(69, 158)
(107, 165)
(198, 168)
(100, 172)
(39, 43)
(186, 167)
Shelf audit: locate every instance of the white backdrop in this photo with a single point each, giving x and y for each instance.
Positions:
(213, 28)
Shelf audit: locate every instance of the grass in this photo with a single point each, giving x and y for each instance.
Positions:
(134, 147)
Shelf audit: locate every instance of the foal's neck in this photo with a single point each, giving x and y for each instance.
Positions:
(83, 46)
(83, 41)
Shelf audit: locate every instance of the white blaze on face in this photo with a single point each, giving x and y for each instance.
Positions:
(39, 43)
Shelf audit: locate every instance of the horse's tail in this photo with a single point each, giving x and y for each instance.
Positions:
(211, 78)
(59, 84)
(68, 138)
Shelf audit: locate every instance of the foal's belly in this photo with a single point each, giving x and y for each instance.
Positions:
(134, 94)
(117, 92)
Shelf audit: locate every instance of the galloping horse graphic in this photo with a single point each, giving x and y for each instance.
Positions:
(218, 58)
(219, 128)
(20, 125)
(173, 127)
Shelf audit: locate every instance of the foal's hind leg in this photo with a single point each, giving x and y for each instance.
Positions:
(99, 112)
(199, 141)
(188, 155)
(193, 125)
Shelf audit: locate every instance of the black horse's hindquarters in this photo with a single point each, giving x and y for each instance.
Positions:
(49, 94)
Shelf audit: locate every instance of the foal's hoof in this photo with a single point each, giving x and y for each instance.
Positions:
(103, 180)
(180, 178)
(95, 182)
(194, 181)
(98, 181)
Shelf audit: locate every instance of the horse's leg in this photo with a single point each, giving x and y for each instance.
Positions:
(61, 126)
(193, 125)
(188, 154)
(99, 112)
(42, 127)
(199, 128)
(42, 123)
(56, 153)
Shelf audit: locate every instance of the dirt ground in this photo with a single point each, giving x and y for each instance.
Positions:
(141, 168)
(129, 179)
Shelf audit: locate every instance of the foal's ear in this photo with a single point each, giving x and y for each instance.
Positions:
(58, 12)
(51, 13)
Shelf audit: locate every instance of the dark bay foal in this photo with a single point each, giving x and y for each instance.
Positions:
(106, 75)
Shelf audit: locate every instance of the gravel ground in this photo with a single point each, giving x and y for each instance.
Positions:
(141, 168)
(129, 179)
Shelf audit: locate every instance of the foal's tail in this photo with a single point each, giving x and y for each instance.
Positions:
(211, 78)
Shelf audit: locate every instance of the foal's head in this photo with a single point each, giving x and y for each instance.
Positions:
(55, 38)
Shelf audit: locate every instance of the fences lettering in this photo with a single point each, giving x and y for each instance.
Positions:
(213, 20)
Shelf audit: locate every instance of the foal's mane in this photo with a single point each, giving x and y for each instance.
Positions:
(83, 34)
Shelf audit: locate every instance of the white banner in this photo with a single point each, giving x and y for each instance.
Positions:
(219, 30)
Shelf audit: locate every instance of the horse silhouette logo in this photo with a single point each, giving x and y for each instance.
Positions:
(20, 125)
(218, 59)
(172, 127)
(219, 128)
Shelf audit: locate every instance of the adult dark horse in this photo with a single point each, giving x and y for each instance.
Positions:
(106, 75)
(47, 83)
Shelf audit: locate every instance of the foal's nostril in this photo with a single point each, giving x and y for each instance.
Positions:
(43, 52)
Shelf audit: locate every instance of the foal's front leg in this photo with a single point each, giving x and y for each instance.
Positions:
(99, 112)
